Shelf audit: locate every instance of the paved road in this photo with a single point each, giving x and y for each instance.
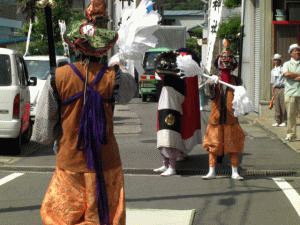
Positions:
(268, 195)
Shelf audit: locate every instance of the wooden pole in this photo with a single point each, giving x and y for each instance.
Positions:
(51, 46)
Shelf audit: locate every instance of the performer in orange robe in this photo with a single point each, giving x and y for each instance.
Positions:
(75, 110)
(224, 136)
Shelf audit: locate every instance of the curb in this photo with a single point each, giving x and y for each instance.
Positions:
(289, 144)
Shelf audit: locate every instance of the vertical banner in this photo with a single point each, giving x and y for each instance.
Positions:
(213, 25)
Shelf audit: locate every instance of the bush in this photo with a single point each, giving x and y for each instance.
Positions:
(232, 3)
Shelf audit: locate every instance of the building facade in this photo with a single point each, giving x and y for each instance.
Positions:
(271, 26)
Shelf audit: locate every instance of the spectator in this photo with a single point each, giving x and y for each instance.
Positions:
(291, 71)
(277, 81)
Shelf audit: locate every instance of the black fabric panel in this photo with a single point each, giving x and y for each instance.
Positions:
(175, 82)
(169, 119)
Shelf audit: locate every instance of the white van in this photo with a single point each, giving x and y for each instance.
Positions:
(15, 120)
(39, 66)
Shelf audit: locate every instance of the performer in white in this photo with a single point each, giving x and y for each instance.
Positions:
(178, 115)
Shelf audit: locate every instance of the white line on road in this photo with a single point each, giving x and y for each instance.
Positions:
(10, 178)
(290, 193)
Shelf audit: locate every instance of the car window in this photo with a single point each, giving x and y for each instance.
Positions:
(38, 68)
(5, 70)
(22, 72)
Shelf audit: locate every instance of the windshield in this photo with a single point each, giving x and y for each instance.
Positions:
(149, 60)
(5, 70)
(38, 68)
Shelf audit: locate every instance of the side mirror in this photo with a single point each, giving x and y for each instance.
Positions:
(32, 81)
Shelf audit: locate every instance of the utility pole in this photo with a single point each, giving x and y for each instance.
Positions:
(47, 5)
(51, 46)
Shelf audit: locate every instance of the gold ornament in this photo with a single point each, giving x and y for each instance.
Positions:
(170, 120)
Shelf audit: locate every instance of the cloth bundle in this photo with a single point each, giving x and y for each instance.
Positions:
(136, 33)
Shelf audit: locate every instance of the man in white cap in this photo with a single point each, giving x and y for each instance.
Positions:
(277, 81)
(291, 71)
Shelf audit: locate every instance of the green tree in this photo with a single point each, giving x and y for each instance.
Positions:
(192, 43)
(182, 4)
(38, 43)
(230, 30)
(232, 3)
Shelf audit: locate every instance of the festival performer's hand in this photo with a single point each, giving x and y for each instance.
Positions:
(214, 79)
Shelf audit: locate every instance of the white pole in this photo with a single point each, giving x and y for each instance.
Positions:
(28, 39)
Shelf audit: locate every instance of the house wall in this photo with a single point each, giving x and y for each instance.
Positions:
(257, 52)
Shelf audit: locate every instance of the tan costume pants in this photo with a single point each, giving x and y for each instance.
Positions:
(292, 108)
(280, 111)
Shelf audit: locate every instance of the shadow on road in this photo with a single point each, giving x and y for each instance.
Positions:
(30, 149)
(17, 209)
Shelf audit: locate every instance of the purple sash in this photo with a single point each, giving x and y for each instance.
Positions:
(92, 134)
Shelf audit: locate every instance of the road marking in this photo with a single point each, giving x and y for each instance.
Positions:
(290, 193)
(10, 178)
(159, 217)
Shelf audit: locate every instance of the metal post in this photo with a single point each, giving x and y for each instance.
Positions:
(51, 46)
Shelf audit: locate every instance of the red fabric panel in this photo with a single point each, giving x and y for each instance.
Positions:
(191, 108)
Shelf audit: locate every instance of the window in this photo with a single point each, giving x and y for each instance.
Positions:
(5, 70)
(22, 71)
(38, 68)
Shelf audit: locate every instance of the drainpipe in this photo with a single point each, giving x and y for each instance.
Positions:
(241, 40)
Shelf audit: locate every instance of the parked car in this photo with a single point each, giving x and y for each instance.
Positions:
(15, 123)
(39, 67)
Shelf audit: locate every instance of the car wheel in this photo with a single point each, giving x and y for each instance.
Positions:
(16, 145)
(144, 98)
(27, 134)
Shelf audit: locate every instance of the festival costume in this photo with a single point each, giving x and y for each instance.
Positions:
(224, 136)
(76, 110)
(178, 115)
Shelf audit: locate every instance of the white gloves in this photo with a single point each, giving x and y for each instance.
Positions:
(214, 79)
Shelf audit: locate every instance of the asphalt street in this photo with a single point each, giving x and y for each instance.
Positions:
(268, 195)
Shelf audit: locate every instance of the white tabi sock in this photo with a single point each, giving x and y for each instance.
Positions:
(235, 175)
(211, 173)
(169, 172)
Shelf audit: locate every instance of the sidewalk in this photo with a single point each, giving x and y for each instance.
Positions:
(265, 121)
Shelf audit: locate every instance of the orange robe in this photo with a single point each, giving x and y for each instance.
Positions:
(71, 197)
(227, 137)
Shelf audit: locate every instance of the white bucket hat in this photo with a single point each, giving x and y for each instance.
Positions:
(277, 56)
(294, 46)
